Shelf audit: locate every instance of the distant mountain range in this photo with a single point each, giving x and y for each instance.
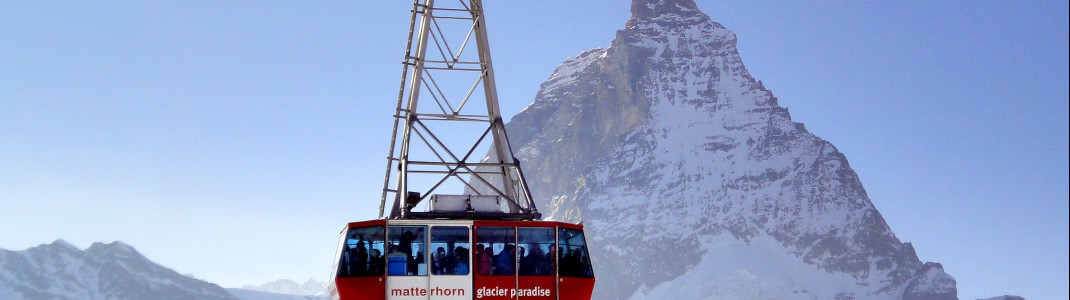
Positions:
(60, 271)
(289, 287)
(103, 271)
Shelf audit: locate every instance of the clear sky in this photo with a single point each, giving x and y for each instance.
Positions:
(232, 140)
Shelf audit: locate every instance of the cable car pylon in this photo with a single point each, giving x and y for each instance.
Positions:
(448, 77)
(462, 223)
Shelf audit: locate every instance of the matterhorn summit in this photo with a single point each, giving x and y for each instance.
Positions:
(693, 183)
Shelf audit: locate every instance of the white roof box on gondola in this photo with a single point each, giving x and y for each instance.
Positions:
(466, 203)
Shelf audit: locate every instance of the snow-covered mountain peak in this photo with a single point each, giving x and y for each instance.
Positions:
(677, 158)
(655, 8)
(58, 248)
(651, 18)
(59, 243)
(114, 250)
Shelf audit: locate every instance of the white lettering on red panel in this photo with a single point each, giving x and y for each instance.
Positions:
(513, 293)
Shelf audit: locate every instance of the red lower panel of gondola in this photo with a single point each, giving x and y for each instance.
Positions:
(360, 288)
(574, 288)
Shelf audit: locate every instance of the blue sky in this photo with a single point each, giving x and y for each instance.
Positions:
(232, 140)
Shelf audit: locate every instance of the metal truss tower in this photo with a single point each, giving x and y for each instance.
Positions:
(447, 118)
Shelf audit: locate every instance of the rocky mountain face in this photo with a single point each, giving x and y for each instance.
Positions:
(693, 182)
(103, 271)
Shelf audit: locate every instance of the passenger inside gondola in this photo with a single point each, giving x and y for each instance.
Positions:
(483, 259)
(359, 259)
(505, 262)
(361, 252)
(550, 263)
(439, 262)
(405, 257)
(571, 263)
(417, 265)
(406, 247)
(522, 254)
(536, 263)
(396, 261)
(461, 261)
(375, 262)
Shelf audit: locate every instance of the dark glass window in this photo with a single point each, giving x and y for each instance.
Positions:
(450, 250)
(362, 253)
(572, 254)
(406, 251)
(495, 251)
(535, 250)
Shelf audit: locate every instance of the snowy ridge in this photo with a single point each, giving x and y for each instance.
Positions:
(103, 271)
(569, 70)
(685, 169)
(289, 287)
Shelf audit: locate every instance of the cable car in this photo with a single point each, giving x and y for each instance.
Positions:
(462, 259)
(486, 241)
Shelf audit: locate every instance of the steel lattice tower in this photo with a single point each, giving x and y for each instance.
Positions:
(438, 143)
